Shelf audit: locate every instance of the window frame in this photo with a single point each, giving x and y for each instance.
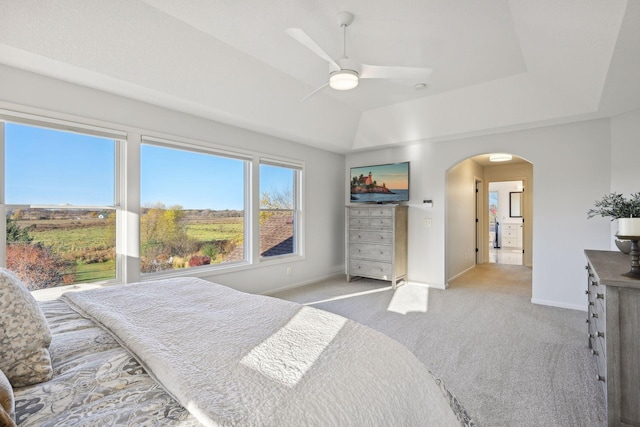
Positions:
(127, 168)
(298, 209)
(213, 150)
(119, 139)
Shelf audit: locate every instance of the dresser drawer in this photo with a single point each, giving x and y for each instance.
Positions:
(509, 234)
(381, 222)
(370, 236)
(358, 212)
(359, 221)
(509, 242)
(601, 363)
(371, 251)
(381, 212)
(378, 270)
(598, 320)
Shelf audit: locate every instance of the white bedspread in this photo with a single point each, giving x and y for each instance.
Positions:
(236, 359)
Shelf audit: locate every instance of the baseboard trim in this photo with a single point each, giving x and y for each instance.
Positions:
(558, 304)
(460, 274)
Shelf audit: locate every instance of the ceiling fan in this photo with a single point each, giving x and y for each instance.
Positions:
(345, 73)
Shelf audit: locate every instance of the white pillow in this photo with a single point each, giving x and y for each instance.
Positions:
(24, 334)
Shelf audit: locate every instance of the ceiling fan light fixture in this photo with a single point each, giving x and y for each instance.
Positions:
(500, 157)
(343, 80)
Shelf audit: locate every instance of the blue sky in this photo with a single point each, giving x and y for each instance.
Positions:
(45, 166)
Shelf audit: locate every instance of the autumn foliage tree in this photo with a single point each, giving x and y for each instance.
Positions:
(34, 263)
(276, 200)
(163, 234)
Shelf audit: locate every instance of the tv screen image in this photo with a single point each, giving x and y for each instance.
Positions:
(388, 183)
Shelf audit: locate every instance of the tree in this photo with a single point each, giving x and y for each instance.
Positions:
(163, 234)
(37, 266)
(17, 214)
(275, 200)
(17, 234)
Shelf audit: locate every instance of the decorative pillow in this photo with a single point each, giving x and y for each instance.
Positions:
(7, 404)
(24, 334)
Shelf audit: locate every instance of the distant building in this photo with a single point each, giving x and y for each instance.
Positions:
(369, 180)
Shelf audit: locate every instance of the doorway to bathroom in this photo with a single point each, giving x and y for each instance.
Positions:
(506, 222)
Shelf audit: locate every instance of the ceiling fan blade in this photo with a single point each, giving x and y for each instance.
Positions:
(314, 92)
(384, 72)
(308, 42)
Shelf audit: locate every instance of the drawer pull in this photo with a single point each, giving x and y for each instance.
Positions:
(600, 378)
(600, 334)
(592, 303)
(595, 315)
(591, 336)
(595, 352)
(588, 321)
(587, 292)
(594, 283)
(601, 296)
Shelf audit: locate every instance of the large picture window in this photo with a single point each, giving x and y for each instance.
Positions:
(193, 208)
(60, 203)
(86, 204)
(280, 209)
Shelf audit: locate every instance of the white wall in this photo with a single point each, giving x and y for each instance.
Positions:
(323, 181)
(571, 170)
(461, 217)
(625, 157)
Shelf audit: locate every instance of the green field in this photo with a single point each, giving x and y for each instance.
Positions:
(86, 236)
(221, 231)
(95, 272)
(72, 239)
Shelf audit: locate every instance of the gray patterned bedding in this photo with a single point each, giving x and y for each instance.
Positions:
(94, 378)
(358, 377)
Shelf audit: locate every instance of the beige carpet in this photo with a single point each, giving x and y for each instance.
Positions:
(510, 362)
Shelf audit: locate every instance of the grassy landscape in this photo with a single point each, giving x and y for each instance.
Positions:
(98, 271)
(222, 229)
(94, 239)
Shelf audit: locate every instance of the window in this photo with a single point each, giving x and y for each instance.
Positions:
(280, 209)
(60, 203)
(193, 207)
(64, 186)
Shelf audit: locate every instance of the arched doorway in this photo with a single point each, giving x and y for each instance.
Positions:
(467, 233)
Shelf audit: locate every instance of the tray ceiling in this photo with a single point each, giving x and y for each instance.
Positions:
(497, 64)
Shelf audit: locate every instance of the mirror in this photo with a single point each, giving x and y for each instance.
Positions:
(515, 204)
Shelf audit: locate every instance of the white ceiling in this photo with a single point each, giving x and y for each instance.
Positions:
(497, 64)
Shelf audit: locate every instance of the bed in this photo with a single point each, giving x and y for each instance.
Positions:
(188, 352)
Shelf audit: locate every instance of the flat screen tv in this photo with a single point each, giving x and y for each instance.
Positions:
(388, 183)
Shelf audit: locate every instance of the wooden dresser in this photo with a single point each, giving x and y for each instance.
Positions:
(377, 242)
(614, 333)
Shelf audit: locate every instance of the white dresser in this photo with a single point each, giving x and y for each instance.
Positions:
(511, 235)
(377, 242)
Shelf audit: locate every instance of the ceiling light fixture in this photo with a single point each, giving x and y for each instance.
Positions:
(343, 80)
(500, 157)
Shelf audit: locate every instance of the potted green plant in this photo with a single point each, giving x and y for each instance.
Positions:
(625, 210)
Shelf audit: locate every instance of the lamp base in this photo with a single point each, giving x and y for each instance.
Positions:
(634, 273)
